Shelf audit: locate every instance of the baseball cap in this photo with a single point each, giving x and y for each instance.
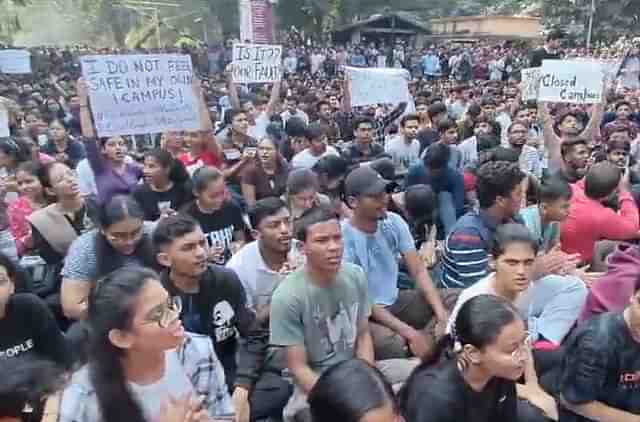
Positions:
(365, 181)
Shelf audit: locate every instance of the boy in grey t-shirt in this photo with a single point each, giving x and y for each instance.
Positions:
(320, 313)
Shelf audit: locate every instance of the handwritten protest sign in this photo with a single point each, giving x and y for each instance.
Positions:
(137, 94)
(571, 81)
(257, 63)
(4, 122)
(15, 61)
(377, 86)
(530, 83)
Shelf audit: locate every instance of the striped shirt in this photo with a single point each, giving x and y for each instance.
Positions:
(466, 250)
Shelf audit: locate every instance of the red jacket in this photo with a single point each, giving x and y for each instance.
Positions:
(590, 221)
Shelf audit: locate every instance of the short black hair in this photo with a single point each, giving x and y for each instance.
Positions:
(495, 179)
(408, 118)
(552, 189)
(555, 34)
(361, 120)
(310, 217)
(568, 146)
(622, 103)
(264, 208)
(488, 101)
(435, 109)
(437, 156)
(601, 180)
(446, 124)
(507, 234)
(171, 228)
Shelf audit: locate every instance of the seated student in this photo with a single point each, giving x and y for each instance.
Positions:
(260, 391)
(25, 385)
(364, 148)
(55, 227)
(598, 380)
(490, 349)
(320, 313)
(374, 239)
(214, 302)
(550, 305)
(303, 193)
(611, 292)
(268, 176)
(122, 239)
(447, 183)
(499, 190)
(449, 136)
(27, 326)
(166, 186)
(590, 220)
(32, 198)
(353, 391)
(317, 149)
(142, 365)
(544, 218)
(219, 217)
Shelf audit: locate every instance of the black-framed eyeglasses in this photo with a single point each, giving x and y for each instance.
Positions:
(165, 314)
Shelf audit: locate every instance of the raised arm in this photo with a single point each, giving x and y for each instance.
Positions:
(274, 99)
(88, 131)
(551, 140)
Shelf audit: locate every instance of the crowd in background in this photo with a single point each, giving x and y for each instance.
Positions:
(466, 254)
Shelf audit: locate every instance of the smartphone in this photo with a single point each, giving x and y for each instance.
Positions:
(42, 140)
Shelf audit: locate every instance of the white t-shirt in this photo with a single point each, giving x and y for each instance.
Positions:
(403, 155)
(305, 160)
(486, 286)
(259, 130)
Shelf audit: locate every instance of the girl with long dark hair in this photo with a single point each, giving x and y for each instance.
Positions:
(487, 352)
(166, 186)
(142, 365)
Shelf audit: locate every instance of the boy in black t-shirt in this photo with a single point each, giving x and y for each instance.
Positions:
(213, 299)
(600, 378)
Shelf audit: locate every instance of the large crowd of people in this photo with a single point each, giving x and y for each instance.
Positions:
(465, 255)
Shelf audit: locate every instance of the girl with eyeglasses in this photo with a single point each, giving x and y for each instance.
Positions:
(143, 367)
(122, 238)
(486, 353)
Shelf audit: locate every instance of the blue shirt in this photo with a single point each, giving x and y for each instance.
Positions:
(378, 255)
(449, 181)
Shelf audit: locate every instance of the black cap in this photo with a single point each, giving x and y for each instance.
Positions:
(365, 181)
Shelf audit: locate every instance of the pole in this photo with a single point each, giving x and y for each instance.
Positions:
(204, 31)
(590, 31)
(157, 18)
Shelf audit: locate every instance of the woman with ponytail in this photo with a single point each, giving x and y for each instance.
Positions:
(143, 367)
(485, 354)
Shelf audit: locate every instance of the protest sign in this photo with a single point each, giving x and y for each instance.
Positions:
(4, 122)
(377, 86)
(257, 63)
(15, 61)
(530, 83)
(138, 94)
(571, 81)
